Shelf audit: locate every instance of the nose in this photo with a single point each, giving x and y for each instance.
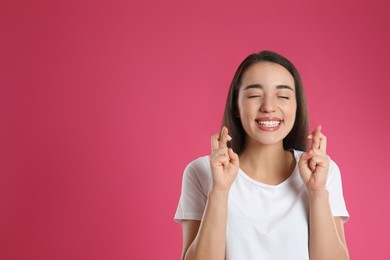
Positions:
(268, 105)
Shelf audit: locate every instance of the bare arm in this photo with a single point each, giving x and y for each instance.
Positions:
(327, 239)
(190, 230)
(207, 239)
(209, 242)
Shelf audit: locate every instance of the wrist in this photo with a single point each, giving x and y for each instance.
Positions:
(318, 194)
(218, 193)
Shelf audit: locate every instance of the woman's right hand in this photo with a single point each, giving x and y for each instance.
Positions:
(224, 162)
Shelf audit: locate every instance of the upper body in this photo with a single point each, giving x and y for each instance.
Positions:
(235, 216)
(264, 221)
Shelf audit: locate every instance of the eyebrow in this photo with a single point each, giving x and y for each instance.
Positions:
(261, 87)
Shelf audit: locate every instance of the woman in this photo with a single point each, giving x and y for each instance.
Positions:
(264, 197)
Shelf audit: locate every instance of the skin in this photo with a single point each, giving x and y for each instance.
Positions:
(261, 160)
(267, 90)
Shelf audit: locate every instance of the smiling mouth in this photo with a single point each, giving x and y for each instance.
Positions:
(270, 123)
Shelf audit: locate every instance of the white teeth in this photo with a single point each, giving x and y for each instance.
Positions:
(269, 123)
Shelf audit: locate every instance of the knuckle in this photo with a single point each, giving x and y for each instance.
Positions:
(222, 150)
(219, 152)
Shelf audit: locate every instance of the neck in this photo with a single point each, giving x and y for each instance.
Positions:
(270, 164)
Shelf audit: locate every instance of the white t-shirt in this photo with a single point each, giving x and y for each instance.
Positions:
(264, 221)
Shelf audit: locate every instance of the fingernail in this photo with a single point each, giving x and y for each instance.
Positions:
(229, 138)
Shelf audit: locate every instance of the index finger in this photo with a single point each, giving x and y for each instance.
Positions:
(323, 142)
(215, 142)
(220, 139)
(319, 139)
(315, 138)
(224, 137)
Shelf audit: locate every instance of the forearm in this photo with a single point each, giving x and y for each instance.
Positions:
(325, 242)
(210, 241)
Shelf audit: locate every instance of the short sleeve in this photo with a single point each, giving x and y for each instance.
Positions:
(335, 188)
(195, 187)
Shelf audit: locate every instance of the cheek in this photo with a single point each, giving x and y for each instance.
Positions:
(242, 107)
(248, 109)
(292, 110)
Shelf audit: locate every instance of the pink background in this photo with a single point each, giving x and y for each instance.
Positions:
(103, 103)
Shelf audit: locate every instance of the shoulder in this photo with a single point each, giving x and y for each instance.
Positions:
(198, 170)
(199, 165)
(201, 162)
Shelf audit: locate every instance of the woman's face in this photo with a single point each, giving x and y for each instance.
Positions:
(267, 103)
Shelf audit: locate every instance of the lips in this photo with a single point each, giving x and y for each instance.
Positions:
(268, 123)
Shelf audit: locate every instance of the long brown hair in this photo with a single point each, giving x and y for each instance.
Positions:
(297, 138)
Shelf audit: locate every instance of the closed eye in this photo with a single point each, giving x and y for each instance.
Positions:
(284, 97)
(254, 96)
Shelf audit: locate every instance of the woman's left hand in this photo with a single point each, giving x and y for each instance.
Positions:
(314, 164)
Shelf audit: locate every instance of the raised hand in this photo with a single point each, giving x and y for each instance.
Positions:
(314, 164)
(224, 162)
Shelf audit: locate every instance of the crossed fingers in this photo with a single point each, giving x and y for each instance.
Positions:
(219, 147)
(317, 153)
(318, 140)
